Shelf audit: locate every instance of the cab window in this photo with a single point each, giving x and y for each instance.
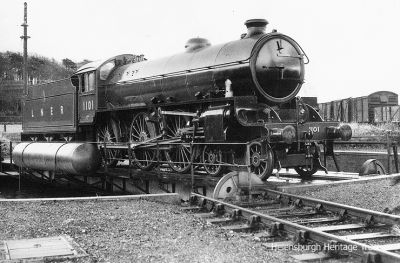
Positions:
(85, 83)
(91, 81)
(88, 81)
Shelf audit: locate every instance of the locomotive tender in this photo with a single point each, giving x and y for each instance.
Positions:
(217, 105)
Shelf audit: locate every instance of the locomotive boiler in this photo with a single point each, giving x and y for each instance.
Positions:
(270, 67)
(219, 106)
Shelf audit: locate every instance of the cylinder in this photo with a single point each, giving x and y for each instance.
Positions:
(71, 158)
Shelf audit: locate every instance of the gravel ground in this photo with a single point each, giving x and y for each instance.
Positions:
(133, 231)
(143, 231)
(375, 195)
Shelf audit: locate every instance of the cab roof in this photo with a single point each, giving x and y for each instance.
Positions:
(91, 66)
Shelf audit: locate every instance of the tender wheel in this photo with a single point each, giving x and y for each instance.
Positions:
(306, 172)
(261, 165)
(212, 159)
(178, 156)
(141, 131)
(109, 133)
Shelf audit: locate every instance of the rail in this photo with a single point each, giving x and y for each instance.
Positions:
(302, 233)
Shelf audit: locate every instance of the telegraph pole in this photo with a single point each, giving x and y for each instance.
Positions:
(25, 38)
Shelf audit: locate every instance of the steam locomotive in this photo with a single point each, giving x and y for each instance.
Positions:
(220, 106)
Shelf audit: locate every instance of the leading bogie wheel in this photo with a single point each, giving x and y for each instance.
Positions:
(306, 172)
(212, 160)
(261, 162)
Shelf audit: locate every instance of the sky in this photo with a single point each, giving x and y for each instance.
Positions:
(352, 44)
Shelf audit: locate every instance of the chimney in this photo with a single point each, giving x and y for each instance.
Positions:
(255, 27)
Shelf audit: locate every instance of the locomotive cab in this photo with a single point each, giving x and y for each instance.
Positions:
(89, 81)
(85, 82)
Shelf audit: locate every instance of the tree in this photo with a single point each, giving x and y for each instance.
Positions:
(34, 66)
(69, 64)
(16, 63)
(3, 66)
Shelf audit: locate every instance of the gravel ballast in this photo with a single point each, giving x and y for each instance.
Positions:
(133, 231)
(378, 195)
(145, 231)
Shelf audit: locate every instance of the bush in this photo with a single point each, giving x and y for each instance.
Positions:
(363, 129)
(5, 147)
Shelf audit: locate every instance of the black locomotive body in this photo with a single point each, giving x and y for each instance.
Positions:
(221, 105)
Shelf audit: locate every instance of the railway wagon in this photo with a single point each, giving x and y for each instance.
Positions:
(361, 109)
(387, 114)
(346, 110)
(383, 99)
(218, 105)
(328, 115)
(323, 110)
(338, 110)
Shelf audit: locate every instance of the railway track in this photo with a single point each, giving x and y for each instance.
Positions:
(290, 221)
